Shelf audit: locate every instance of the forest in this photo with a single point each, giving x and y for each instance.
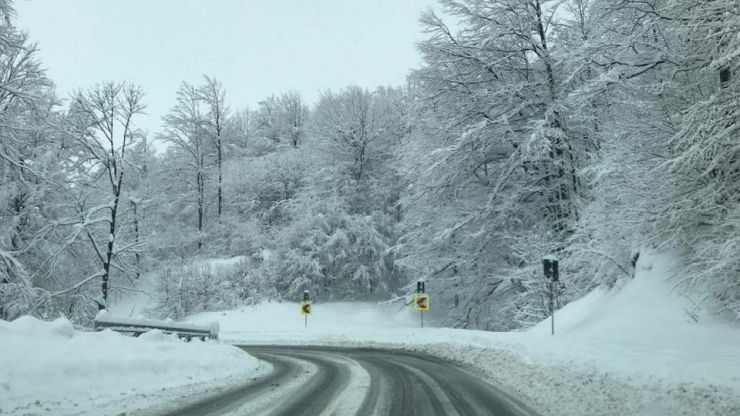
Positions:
(590, 130)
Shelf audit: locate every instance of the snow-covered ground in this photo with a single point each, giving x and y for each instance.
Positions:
(632, 350)
(50, 368)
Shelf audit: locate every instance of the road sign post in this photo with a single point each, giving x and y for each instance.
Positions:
(552, 274)
(306, 308)
(421, 300)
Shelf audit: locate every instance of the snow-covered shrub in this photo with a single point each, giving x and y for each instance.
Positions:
(334, 254)
(201, 285)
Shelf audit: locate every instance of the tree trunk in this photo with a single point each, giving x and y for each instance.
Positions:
(561, 153)
(725, 76)
(220, 177)
(200, 209)
(136, 239)
(111, 238)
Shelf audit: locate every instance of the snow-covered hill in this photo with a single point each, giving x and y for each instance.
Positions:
(644, 327)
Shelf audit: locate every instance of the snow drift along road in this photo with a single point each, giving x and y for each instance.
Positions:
(49, 365)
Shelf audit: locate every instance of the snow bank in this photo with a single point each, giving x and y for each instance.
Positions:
(50, 368)
(282, 322)
(631, 350)
(105, 319)
(644, 328)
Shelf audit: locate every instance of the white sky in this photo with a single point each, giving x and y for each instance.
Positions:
(254, 47)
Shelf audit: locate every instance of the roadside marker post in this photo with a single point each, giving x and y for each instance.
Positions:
(306, 308)
(421, 300)
(552, 274)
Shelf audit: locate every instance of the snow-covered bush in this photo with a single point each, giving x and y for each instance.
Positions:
(334, 254)
(202, 285)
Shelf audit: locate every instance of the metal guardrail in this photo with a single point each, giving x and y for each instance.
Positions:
(137, 327)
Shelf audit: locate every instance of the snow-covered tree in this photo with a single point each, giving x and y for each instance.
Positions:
(494, 153)
(186, 130)
(216, 121)
(102, 124)
(282, 119)
(334, 254)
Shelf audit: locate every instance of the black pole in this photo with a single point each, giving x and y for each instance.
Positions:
(552, 308)
(306, 298)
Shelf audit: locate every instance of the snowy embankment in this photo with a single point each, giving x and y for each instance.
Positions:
(631, 350)
(50, 368)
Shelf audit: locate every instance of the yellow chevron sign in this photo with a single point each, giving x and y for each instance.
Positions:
(421, 302)
(306, 308)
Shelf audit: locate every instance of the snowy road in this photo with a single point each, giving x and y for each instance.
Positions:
(337, 381)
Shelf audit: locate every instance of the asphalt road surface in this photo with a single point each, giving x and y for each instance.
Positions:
(337, 381)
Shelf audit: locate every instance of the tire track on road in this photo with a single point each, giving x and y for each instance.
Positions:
(365, 382)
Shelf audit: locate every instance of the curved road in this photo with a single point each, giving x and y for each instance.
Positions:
(339, 381)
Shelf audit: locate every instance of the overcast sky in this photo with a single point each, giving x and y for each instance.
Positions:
(255, 47)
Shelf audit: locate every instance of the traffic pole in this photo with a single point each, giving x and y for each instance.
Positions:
(306, 299)
(420, 289)
(552, 275)
(552, 309)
